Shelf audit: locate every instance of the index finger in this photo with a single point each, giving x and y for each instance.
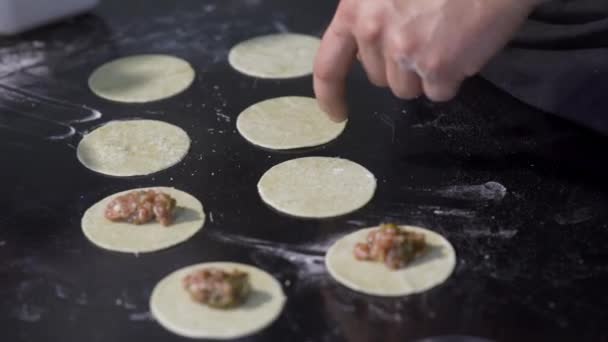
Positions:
(332, 64)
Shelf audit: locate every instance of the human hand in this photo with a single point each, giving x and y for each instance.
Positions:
(414, 47)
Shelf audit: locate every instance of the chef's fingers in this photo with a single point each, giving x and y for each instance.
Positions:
(440, 80)
(442, 89)
(404, 83)
(369, 37)
(333, 61)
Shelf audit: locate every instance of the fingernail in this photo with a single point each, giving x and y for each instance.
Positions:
(339, 115)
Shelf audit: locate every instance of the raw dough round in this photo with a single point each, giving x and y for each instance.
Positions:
(317, 187)
(374, 278)
(287, 123)
(143, 78)
(276, 56)
(133, 147)
(173, 308)
(150, 237)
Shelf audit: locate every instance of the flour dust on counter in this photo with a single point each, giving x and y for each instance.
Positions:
(276, 56)
(133, 147)
(317, 187)
(375, 278)
(174, 308)
(287, 123)
(189, 218)
(142, 78)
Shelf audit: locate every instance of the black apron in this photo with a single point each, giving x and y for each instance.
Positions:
(558, 61)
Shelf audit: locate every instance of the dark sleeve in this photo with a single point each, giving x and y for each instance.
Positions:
(558, 61)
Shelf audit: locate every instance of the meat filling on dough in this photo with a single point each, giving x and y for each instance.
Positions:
(393, 246)
(218, 288)
(142, 206)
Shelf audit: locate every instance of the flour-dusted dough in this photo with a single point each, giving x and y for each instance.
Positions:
(317, 187)
(374, 278)
(150, 237)
(284, 55)
(133, 147)
(173, 308)
(142, 78)
(286, 123)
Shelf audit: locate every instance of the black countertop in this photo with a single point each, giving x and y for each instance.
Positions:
(521, 195)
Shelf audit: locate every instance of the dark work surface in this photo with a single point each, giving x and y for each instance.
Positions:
(521, 195)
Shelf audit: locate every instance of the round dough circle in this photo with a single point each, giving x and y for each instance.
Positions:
(150, 237)
(286, 123)
(142, 78)
(173, 308)
(133, 147)
(374, 278)
(317, 187)
(284, 55)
